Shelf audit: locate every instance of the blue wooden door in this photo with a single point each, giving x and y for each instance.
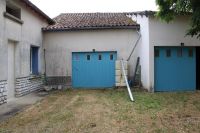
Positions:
(93, 69)
(175, 69)
(35, 60)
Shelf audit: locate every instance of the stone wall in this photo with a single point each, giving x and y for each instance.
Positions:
(26, 85)
(3, 91)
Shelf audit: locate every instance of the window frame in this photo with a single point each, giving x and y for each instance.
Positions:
(111, 57)
(88, 57)
(100, 57)
(13, 10)
(190, 52)
(16, 17)
(179, 52)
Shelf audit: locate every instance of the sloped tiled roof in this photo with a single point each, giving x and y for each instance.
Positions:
(81, 21)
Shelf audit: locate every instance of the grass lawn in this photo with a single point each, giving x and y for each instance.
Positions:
(106, 111)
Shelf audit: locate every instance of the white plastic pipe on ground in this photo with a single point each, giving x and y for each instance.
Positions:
(126, 80)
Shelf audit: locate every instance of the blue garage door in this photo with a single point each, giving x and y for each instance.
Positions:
(175, 69)
(93, 69)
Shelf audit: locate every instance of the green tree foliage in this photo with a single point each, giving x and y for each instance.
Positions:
(168, 9)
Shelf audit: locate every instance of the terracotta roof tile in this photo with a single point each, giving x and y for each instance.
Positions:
(81, 21)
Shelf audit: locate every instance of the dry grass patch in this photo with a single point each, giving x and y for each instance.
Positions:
(106, 111)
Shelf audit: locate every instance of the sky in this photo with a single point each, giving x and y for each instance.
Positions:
(55, 7)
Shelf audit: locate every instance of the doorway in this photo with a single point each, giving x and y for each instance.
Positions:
(11, 70)
(198, 68)
(93, 69)
(175, 69)
(34, 60)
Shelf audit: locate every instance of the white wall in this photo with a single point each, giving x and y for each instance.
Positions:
(26, 34)
(3, 49)
(143, 49)
(172, 34)
(60, 45)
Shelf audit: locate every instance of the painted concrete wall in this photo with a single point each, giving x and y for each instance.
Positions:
(60, 45)
(3, 47)
(143, 49)
(24, 35)
(172, 34)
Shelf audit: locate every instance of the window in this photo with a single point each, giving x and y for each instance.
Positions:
(157, 53)
(34, 60)
(100, 57)
(88, 57)
(111, 57)
(179, 52)
(190, 52)
(168, 53)
(13, 10)
(76, 57)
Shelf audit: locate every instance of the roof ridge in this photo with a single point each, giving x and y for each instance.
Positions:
(93, 13)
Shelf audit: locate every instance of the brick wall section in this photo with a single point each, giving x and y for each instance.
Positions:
(26, 85)
(58, 80)
(3, 92)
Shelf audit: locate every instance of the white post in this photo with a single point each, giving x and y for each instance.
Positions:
(126, 80)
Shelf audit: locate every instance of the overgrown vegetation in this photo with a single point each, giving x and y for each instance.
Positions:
(168, 9)
(109, 111)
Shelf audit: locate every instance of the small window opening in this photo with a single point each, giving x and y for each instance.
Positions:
(111, 57)
(88, 57)
(179, 52)
(168, 53)
(76, 57)
(190, 52)
(13, 10)
(157, 53)
(100, 57)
